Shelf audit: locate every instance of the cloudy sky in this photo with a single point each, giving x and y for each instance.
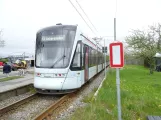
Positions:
(21, 19)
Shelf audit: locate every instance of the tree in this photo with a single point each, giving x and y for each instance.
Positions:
(146, 44)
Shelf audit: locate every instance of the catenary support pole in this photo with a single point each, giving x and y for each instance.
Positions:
(117, 80)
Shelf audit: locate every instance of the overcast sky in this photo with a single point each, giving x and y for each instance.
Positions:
(21, 19)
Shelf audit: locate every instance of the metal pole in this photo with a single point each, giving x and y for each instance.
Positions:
(24, 55)
(117, 80)
(105, 58)
(114, 29)
(118, 93)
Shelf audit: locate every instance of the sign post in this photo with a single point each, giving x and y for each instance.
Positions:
(117, 61)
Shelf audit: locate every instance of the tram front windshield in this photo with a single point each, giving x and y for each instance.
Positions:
(54, 47)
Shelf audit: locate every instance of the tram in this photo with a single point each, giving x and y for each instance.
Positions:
(65, 59)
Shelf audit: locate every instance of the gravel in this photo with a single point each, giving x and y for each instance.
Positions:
(12, 100)
(77, 103)
(29, 110)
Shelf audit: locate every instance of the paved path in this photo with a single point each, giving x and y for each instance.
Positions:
(154, 118)
(13, 84)
(13, 73)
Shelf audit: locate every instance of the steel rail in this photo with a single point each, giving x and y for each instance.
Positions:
(46, 114)
(17, 103)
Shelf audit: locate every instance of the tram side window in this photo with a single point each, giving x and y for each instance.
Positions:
(90, 56)
(83, 52)
(77, 57)
(99, 58)
(102, 59)
(93, 59)
(96, 61)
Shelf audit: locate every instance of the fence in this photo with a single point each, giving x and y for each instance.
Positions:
(133, 61)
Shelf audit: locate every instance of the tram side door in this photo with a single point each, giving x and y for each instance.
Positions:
(86, 74)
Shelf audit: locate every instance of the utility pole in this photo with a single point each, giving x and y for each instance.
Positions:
(117, 79)
(24, 55)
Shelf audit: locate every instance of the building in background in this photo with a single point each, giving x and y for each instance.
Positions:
(158, 61)
(30, 61)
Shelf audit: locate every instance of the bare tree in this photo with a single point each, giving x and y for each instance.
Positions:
(146, 44)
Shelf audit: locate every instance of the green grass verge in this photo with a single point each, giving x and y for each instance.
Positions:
(32, 89)
(10, 78)
(89, 97)
(140, 96)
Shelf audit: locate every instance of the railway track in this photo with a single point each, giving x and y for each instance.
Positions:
(44, 114)
(17, 104)
(23, 109)
(47, 112)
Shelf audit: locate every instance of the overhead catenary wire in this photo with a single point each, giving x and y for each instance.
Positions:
(115, 8)
(81, 16)
(86, 15)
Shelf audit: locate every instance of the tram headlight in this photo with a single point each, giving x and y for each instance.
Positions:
(38, 74)
(60, 75)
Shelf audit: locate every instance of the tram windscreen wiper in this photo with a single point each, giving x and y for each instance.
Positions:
(58, 61)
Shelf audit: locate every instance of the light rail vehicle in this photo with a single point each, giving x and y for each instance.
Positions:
(65, 59)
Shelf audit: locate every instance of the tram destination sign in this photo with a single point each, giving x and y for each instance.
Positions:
(53, 38)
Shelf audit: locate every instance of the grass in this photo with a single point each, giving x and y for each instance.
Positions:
(32, 89)
(10, 78)
(140, 96)
(89, 97)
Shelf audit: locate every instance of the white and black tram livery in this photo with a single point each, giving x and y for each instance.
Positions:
(65, 59)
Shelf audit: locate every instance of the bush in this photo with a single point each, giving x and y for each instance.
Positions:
(3, 60)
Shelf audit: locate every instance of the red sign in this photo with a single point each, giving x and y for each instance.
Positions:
(116, 55)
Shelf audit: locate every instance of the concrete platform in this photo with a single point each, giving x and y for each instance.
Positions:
(16, 87)
(13, 84)
(15, 73)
